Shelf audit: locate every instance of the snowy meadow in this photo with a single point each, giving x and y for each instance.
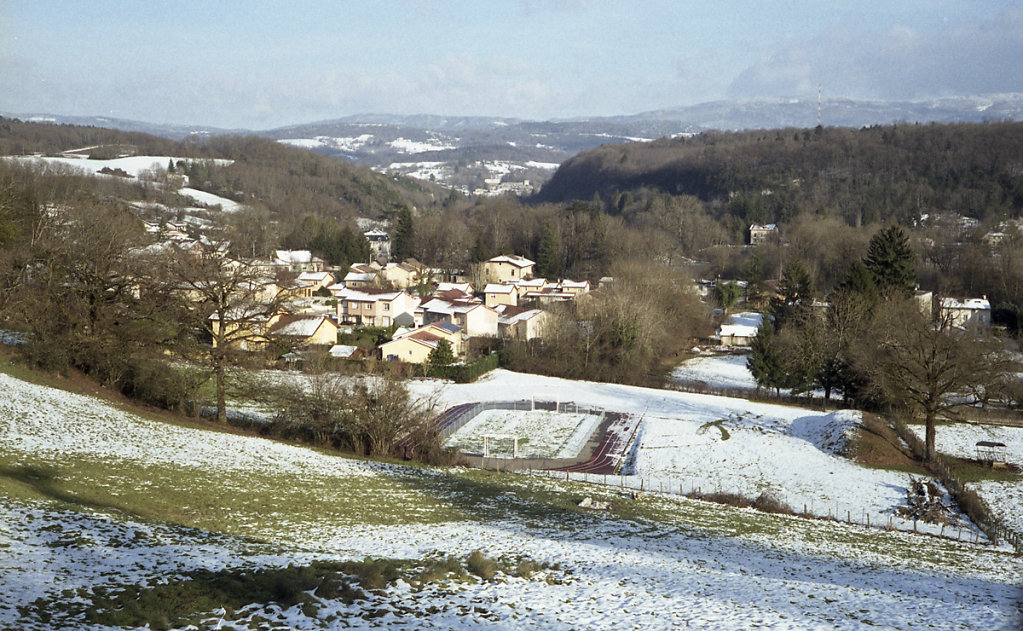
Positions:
(98, 503)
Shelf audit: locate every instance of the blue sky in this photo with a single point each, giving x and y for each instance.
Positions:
(265, 64)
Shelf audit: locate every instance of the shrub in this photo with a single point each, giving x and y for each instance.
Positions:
(481, 566)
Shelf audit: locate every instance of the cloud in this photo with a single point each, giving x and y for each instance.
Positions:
(898, 63)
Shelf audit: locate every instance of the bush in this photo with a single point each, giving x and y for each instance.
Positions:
(156, 383)
(464, 373)
(481, 566)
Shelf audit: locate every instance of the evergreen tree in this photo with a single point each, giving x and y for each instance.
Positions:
(404, 234)
(547, 254)
(793, 290)
(727, 294)
(765, 362)
(441, 355)
(891, 262)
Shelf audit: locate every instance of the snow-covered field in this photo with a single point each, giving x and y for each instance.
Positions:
(675, 563)
(960, 440)
(209, 199)
(790, 454)
(540, 434)
(716, 371)
(132, 165)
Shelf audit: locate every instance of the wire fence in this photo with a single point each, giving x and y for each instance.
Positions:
(723, 494)
(968, 500)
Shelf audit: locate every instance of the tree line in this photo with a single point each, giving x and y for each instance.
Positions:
(878, 343)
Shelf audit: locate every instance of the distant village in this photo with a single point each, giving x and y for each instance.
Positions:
(425, 307)
(429, 307)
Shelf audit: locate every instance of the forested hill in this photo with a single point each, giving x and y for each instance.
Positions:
(863, 175)
(288, 181)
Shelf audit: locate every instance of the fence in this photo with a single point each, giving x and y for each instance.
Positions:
(972, 504)
(455, 418)
(765, 395)
(828, 511)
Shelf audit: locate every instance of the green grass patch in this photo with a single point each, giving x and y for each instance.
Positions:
(876, 445)
(241, 595)
(718, 425)
(973, 471)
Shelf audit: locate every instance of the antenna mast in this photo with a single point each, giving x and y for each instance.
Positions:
(818, 105)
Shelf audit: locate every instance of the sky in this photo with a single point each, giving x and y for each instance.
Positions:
(259, 65)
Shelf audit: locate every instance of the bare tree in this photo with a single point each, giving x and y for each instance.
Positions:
(231, 301)
(930, 365)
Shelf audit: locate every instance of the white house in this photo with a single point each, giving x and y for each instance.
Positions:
(740, 328)
(966, 311)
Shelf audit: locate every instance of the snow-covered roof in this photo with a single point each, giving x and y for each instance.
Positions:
(737, 330)
(763, 226)
(518, 314)
(291, 257)
(298, 325)
(340, 350)
(517, 261)
(314, 277)
(368, 295)
(970, 304)
(465, 288)
(494, 288)
(359, 277)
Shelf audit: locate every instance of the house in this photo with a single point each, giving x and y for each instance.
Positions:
(966, 311)
(305, 330)
(576, 288)
(739, 329)
(521, 323)
(448, 331)
(413, 348)
(475, 318)
(760, 232)
(495, 294)
(379, 244)
(315, 280)
(360, 276)
(375, 307)
(400, 275)
(246, 328)
(506, 268)
(924, 302)
(298, 261)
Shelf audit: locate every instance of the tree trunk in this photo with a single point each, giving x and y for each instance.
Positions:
(929, 434)
(221, 390)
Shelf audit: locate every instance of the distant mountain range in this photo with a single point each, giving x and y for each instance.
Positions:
(490, 154)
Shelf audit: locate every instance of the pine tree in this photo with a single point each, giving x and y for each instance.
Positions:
(441, 355)
(793, 290)
(404, 234)
(547, 254)
(764, 361)
(891, 262)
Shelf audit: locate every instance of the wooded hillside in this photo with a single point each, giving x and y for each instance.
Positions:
(864, 175)
(289, 182)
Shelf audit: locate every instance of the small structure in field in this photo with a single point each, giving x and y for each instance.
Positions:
(991, 453)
